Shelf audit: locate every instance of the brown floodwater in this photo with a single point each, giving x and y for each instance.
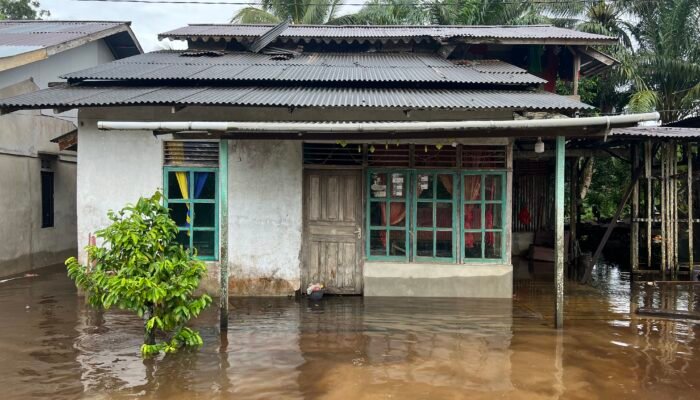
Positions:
(53, 347)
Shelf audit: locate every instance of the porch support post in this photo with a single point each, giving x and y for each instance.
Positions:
(559, 232)
(689, 155)
(634, 236)
(223, 228)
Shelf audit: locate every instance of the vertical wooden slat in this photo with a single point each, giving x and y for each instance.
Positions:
(350, 198)
(634, 239)
(332, 199)
(664, 209)
(314, 200)
(689, 155)
(650, 197)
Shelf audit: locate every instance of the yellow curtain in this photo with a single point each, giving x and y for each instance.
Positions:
(182, 184)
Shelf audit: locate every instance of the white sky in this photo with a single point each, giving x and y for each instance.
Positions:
(147, 20)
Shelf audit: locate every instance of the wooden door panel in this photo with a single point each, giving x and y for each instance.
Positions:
(332, 248)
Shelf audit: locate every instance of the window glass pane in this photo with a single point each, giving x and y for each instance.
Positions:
(424, 243)
(204, 215)
(492, 187)
(443, 215)
(376, 214)
(377, 243)
(472, 216)
(183, 238)
(444, 187)
(397, 243)
(203, 241)
(178, 184)
(424, 186)
(378, 185)
(472, 187)
(179, 213)
(443, 246)
(424, 217)
(493, 244)
(204, 185)
(472, 245)
(398, 185)
(493, 219)
(398, 214)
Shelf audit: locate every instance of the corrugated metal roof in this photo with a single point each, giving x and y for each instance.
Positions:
(307, 67)
(48, 33)
(657, 132)
(374, 32)
(91, 96)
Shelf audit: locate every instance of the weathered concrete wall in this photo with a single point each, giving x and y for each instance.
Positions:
(24, 244)
(265, 217)
(438, 280)
(113, 170)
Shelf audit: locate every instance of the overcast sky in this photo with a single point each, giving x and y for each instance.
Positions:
(147, 20)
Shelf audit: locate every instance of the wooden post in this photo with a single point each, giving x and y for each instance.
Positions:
(573, 214)
(634, 234)
(689, 155)
(223, 227)
(577, 68)
(559, 232)
(648, 162)
(664, 209)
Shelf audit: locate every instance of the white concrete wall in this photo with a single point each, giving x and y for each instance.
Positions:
(265, 217)
(113, 169)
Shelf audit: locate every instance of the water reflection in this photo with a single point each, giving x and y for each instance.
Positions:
(363, 348)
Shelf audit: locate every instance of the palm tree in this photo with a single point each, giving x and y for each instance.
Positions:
(665, 70)
(387, 12)
(300, 11)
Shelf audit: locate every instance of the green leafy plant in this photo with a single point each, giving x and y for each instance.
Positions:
(141, 267)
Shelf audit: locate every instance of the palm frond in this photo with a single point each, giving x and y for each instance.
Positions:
(252, 15)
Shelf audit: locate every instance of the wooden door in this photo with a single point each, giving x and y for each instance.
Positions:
(333, 230)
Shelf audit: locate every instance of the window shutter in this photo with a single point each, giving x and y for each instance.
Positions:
(191, 153)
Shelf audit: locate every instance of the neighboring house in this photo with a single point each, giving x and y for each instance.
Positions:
(376, 160)
(38, 178)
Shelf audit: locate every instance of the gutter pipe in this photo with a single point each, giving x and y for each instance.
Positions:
(605, 122)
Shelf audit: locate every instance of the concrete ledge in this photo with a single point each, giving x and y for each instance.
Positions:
(438, 280)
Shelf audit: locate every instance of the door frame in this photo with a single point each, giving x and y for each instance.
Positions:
(360, 252)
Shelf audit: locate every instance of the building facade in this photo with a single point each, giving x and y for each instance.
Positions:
(374, 160)
(38, 180)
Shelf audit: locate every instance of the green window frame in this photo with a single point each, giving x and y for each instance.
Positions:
(488, 208)
(432, 194)
(393, 236)
(192, 230)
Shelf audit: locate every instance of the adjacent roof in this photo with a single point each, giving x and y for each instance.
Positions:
(306, 67)
(28, 41)
(95, 96)
(530, 34)
(661, 132)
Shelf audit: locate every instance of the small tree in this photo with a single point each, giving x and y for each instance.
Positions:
(140, 267)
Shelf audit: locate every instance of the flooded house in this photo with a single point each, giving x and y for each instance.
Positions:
(377, 160)
(37, 147)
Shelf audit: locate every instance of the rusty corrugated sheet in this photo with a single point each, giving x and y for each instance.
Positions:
(318, 33)
(307, 67)
(88, 96)
(533, 192)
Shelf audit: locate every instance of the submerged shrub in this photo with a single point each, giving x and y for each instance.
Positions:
(141, 267)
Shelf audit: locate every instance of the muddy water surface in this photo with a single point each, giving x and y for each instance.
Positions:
(53, 347)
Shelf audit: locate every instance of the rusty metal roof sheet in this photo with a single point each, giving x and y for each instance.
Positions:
(95, 96)
(662, 132)
(360, 33)
(307, 67)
